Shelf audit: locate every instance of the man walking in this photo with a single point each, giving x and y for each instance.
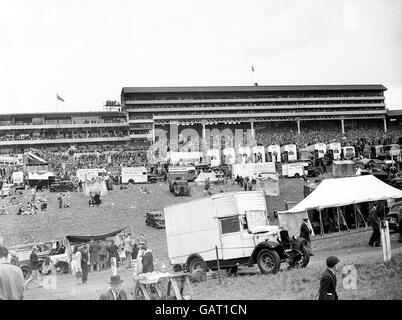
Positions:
(34, 262)
(11, 278)
(84, 264)
(305, 232)
(103, 255)
(128, 249)
(94, 256)
(375, 224)
(328, 281)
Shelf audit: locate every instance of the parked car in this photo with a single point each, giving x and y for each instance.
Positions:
(62, 186)
(155, 219)
(180, 188)
(312, 171)
(394, 217)
(7, 189)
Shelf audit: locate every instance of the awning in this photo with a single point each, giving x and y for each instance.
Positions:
(94, 237)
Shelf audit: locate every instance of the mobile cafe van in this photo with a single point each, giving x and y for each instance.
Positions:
(289, 153)
(233, 226)
(334, 150)
(319, 149)
(348, 153)
(274, 153)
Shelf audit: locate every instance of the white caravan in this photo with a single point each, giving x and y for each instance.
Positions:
(274, 152)
(334, 148)
(289, 152)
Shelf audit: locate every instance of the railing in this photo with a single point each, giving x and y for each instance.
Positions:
(64, 126)
(167, 101)
(245, 107)
(62, 140)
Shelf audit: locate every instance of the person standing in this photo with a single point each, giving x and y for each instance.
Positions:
(94, 255)
(128, 249)
(34, 262)
(114, 292)
(103, 255)
(113, 250)
(76, 269)
(375, 224)
(84, 264)
(11, 278)
(305, 233)
(145, 258)
(328, 281)
(60, 200)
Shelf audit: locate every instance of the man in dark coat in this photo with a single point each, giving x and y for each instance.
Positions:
(114, 292)
(328, 281)
(113, 250)
(94, 255)
(305, 232)
(34, 262)
(84, 263)
(375, 224)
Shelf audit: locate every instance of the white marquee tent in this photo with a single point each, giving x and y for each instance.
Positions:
(339, 192)
(335, 193)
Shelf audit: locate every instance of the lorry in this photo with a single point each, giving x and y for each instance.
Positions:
(134, 175)
(187, 173)
(294, 169)
(18, 180)
(251, 170)
(232, 228)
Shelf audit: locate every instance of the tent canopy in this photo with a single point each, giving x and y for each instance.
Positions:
(75, 239)
(345, 191)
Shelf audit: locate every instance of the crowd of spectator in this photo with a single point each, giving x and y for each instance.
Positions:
(68, 135)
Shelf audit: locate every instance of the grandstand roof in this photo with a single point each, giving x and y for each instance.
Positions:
(254, 88)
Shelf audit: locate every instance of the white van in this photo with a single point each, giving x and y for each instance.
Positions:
(294, 169)
(134, 175)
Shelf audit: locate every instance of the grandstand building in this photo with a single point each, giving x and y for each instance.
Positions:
(251, 107)
(61, 130)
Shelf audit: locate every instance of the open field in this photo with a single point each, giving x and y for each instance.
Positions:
(127, 208)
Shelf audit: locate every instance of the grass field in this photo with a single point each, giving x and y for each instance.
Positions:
(122, 208)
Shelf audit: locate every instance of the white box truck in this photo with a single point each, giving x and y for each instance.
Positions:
(234, 226)
(134, 175)
(18, 180)
(294, 169)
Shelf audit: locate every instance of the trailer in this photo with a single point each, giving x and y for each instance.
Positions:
(18, 180)
(318, 149)
(232, 228)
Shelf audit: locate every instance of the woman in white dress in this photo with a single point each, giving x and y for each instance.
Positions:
(76, 264)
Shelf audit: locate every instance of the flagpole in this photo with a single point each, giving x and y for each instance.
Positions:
(252, 75)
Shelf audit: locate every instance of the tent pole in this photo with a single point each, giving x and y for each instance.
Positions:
(354, 210)
(321, 224)
(362, 216)
(346, 224)
(337, 214)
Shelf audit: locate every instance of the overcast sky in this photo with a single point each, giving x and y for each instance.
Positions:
(87, 50)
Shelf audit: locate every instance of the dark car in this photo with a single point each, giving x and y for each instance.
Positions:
(155, 219)
(394, 217)
(62, 186)
(180, 188)
(312, 171)
(396, 182)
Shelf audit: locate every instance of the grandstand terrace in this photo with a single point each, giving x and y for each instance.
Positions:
(60, 130)
(254, 108)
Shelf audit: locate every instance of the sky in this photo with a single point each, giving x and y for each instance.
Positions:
(87, 50)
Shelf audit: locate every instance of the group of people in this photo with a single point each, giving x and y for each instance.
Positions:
(64, 200)
(245, 183)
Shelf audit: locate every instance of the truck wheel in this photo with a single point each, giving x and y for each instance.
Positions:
(297, 175)
(60, 268)
(306, 256)
(268, 261)
(197, 263)
(131, 181)
(26, 271)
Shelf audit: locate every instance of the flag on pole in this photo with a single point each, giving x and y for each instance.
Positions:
(59, 98)
(252, 69)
